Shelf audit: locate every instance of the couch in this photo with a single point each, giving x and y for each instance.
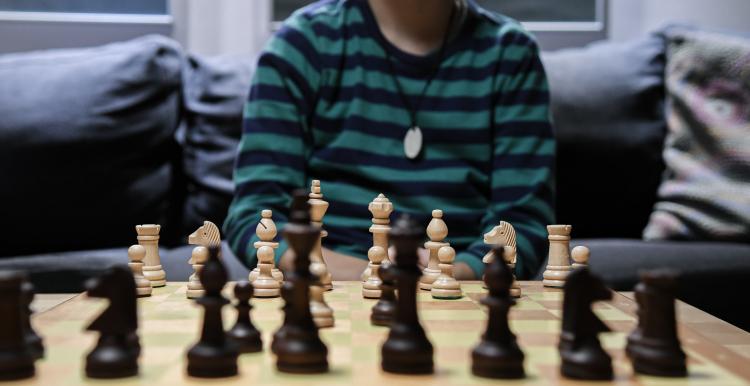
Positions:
(96, 140)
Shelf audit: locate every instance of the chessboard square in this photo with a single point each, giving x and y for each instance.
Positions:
(157, 326)
(451, 339)
(532, 315)
(446, 325)
(332, 337)
(366, 353)
(539, 339)
(339, 312)
(375, 337)
(451, 315)
(168, 339)
(527, 304)
(448, 305)
(534, 326)
(609, 313)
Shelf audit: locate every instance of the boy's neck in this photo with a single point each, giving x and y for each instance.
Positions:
(414, 26)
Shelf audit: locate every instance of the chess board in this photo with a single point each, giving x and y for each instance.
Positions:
(169, 324)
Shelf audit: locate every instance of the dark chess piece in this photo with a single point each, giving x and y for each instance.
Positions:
(297, 345)
(116, 353)
(16, 357)
(407, 349)
(498, 354)
(33, 340)
(582, 354)
(384, 310)
(653, 346)
(214, 356)
(244, 333)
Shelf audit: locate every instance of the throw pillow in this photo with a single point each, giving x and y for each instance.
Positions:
(705, 194)
(87, 144)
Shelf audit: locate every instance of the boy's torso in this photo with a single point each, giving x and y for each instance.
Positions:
(359, 121)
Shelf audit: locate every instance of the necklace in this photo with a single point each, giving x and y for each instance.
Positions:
(413, 139)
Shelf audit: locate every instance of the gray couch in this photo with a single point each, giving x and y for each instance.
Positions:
(94, 141)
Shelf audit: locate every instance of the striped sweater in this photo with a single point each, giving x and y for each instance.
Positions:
(324, 105)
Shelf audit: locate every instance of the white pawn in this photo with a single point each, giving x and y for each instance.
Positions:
(437, 231)
(371, 287)
(446, 286)
(580, 255)
(198, 258)
(265, 286)
(136, 254)
(510, 255)
(321, 312)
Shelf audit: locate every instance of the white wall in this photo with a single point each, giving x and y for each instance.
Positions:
(213, 27)
(632, 18)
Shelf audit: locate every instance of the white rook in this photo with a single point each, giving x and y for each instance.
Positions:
(148, 237)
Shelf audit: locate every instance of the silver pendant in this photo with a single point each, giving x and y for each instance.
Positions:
(413, 142)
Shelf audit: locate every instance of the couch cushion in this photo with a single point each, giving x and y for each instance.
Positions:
(215, 90)
(714, 274)
(607, 102)
(705, 194)
(86, 140)
(67, 271)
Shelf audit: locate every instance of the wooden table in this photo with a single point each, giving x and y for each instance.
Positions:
(719, 353)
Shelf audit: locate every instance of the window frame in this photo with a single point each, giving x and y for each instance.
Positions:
(553, 35)
(48, 30)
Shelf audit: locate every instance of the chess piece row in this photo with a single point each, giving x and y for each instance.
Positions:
(653, 346)
(214, 355)
(437, 277)
(559, 258)
(145, 262)
(216, 352)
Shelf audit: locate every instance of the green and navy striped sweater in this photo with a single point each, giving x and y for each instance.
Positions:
(323, 105)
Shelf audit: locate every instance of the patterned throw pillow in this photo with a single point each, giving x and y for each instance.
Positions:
(705, 194)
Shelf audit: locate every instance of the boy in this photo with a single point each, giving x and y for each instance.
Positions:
(438, 104)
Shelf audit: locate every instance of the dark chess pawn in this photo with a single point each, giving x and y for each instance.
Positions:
(653, 346)
(498, 354)
(16, 357)
(407, 349)
(582, 354)
(297, 345)
(384, 310)
(244, 333)
(213, 356)
(116, 352)
(33, 340)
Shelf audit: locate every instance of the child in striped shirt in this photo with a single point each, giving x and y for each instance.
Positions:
(437, 104)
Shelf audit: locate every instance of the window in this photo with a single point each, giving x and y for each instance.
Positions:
(147, 7)
(42, 24)
(556, 23)
(544, 10)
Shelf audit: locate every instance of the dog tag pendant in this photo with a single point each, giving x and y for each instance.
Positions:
(413, 142)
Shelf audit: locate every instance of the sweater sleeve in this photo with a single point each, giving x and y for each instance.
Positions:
(523, 158)
(275, 141)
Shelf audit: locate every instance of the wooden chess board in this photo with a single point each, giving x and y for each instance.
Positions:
(169, 324)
